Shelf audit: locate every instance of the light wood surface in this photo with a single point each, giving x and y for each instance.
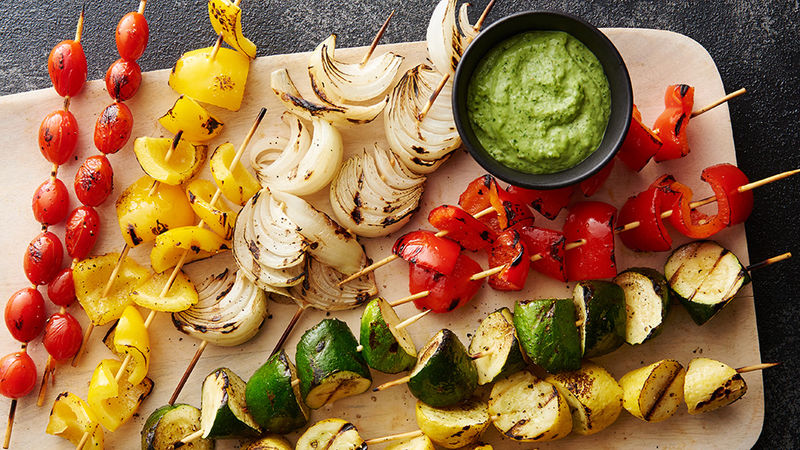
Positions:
(654, 58)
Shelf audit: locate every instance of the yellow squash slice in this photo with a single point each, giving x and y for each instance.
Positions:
(226, 18)
(237, 185)
(219, 217)
(593, 395)
(711, 385)
(653, 393)
(454, 426)
(90, 277)
(184, 161)
(142, 216)
(197, 124)
(170, 246)
(219, 81)
(181, 295)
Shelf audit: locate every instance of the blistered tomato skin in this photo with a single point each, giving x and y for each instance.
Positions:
(94, 180)
(113, 128)
(67, 67)
(61, 290)
(51, 202)
(25, 314)
(62, 336)
(17, 375)
(82, 230)
(132, 35)
(43, 257)
(58, 136)
(123, 79)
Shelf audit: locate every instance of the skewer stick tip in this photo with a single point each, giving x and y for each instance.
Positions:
(389, 384)
(755, 367)
(11, 412)
(377, 39)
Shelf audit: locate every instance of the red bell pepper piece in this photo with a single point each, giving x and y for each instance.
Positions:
(428, 250)
(592, 184)
(461, 227)
(511, 212)
(594, 222)
(732, 206)
(476, 198)
(651, 235)
(640, 144)
(671, 124)
(549, 244)
(509, 251)
(447, 292)
(548, 202)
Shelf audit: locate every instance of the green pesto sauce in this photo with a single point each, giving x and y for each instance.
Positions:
(539, 102)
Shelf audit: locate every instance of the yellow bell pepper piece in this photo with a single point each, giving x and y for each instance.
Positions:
(197, 124)
(219, 217)
(169, 247)
(71, 417)
(237, 185)
(142, 216)
(181, 295)
(219, 81)
(183, 164)
(90, 277)
(226, 18)
(115, 403)
(131, 337)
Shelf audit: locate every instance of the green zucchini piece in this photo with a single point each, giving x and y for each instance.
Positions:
(497, 337)
(445, 374)
(704, 276)
(547, 333)
(601, 311)
(329, 365)
(224, 410)
(331, 434)
(386, 348)
(169, 424)
(646, 303)
(272, 400)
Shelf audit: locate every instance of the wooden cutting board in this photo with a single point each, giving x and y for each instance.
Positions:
(654, 58)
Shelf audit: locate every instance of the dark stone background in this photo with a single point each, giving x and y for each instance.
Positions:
(754, 43)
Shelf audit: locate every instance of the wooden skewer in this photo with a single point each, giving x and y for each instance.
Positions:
(433, 96)
(412, 319)
(479, 24)
(377, 39)
(83, 440)
(389, 384)
(288, 330)
(188, 372)
(722, 100)
(755, 367)
(10, 425)
(393, 437)
(481, 354)
(142, 4)
(769, 261)
(190, 438)
(218, 44)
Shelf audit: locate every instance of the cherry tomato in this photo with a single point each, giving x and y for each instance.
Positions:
(58, 135)
(94, 180)
(132, 35)
(17, 375)
(62, 336)
(113, 128)
(25, 314)
(42, 259)
(81, 231)
(51, 202)
(67, 67)
(61, 291)
(123, 79)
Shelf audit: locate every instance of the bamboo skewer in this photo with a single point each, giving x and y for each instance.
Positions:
(755, 367)
(377, 39)
(412, 319)
(218, 43)
(722, 100)
(433, 96)
(769, 261)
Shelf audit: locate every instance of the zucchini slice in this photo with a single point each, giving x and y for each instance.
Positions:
(547, 333)
(445, 374)
(171, 423)
(711, 385)
(331, 434)
(329, 365)
(653, 393)
(272, 400)
(646, 303)
(386, 348)
(600, 306)
(496, 335)
(454, 426)
(418, 443)
(593, 395)
(527, 409)
(224, 410)
(704, 276)
(271, 442)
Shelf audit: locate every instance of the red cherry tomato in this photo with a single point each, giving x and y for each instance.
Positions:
(123, 79)
(62, 336)
(25, 314)
(42, 259)
(113, 128)
(61, 291)
(17, 375)
(58, 135)
(81, 232)
(94, 180)
(51, 202)
(132, 35)
(67, 67)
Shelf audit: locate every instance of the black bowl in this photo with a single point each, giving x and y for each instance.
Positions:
(618, 80)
